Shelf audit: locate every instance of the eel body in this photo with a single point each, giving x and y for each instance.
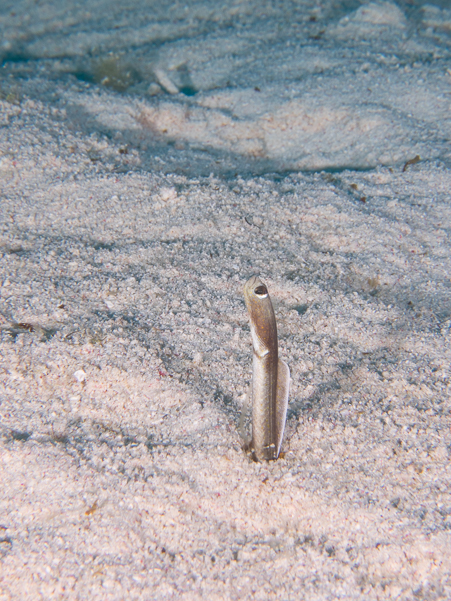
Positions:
(270, 375)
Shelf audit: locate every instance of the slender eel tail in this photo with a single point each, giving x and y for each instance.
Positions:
(283, 389)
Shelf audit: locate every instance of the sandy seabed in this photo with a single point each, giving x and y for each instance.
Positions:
(126, 353)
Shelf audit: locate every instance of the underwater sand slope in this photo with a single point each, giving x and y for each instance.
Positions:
(125, 349)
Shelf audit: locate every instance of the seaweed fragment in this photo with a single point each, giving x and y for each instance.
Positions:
(416, 159)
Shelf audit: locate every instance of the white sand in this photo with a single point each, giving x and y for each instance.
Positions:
(130, 220)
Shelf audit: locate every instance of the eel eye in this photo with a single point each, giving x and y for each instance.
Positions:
(261, 291)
